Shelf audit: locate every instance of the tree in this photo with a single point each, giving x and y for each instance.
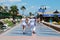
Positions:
(30, 13)
(1, 8)
(23, 9)
(56, 18)
(6, 8)
(14, 11)
(4, 12)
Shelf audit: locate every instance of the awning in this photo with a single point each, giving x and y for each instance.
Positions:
(50, 15)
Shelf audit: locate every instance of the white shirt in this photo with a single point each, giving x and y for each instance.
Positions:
(32, 21)
(23, 21)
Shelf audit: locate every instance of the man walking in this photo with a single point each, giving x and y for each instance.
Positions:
(32, 24)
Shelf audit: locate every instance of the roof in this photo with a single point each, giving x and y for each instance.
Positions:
(56, 11)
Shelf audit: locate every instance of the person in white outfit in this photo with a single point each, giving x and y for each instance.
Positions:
(32, 23)
(23, 24)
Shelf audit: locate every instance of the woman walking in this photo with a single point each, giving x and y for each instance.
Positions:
(24, 24)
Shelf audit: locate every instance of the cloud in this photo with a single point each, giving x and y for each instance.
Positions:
(24, 3)
(32, 7)
(2, 0)
(14, 0)
(10, 0)
(48, 7)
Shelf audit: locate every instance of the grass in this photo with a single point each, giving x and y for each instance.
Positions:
(9, 22)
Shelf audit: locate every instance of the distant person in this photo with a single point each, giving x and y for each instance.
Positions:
(41, 17)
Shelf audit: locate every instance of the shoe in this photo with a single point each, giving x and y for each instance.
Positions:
(33, 32)
(24, 33)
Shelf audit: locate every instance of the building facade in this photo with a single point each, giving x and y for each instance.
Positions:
(47, 16)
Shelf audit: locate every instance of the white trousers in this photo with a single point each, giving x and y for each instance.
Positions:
(33, 28)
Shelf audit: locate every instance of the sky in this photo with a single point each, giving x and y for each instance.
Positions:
(32, 5)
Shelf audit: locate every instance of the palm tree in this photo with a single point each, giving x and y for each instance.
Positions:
(14, 11)
(23, 9)
(1, 8)
(30, 13)
(6, 8)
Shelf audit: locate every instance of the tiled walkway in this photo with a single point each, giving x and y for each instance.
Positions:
(17, 31)
(43, 32)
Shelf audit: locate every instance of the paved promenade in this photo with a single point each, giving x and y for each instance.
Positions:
(43, 32)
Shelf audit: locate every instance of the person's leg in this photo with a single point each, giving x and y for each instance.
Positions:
(31, 26)
(34, 28)
(23, 29)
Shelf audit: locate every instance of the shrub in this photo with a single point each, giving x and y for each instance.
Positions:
(9, 22)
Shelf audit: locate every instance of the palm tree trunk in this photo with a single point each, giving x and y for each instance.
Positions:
(13, 16)
(23, 12)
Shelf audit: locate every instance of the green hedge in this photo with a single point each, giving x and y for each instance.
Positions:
(10, 23)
